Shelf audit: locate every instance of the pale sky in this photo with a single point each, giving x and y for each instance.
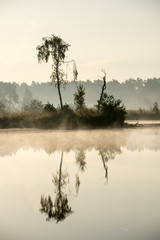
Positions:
(120, 36)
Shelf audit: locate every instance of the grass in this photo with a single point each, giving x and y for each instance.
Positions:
(58, 120)
(70, 119)
(142, 114)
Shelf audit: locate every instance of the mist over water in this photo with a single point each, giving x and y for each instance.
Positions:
(93, 184)
(49, 141)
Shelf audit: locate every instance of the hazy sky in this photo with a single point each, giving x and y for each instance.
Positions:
(122, 36)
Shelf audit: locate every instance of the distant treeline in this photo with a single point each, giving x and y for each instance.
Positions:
(135, 94)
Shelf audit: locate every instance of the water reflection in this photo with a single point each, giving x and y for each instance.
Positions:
(80, 157)
(61, 176)
(60, 209)
(106, 155)
(104, 161)
(51, 141)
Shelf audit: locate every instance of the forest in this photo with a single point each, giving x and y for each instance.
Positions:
(135, 94)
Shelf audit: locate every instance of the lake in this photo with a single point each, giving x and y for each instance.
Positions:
(93, 184)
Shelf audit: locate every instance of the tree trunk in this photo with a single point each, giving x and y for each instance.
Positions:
(58, 85)
(60, 173)
(104, 164)
(60, 97)
(103, 88)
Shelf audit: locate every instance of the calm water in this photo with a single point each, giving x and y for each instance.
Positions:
(80, 185)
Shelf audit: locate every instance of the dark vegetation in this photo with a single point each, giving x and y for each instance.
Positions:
(66, 118)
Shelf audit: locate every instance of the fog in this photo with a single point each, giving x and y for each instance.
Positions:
(50, 141)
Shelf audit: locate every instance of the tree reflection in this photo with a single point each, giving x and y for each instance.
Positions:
(77, 184)
(104, 160)
(80, 161)
(60, 209)
(106, 155)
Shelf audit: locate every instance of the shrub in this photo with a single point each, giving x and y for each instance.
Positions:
(49, 108)
(112, 109)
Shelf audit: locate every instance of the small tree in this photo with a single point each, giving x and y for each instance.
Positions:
(56, 48)
(155, 108)
(79, 100)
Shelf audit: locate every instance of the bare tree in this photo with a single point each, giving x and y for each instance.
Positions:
(103, 88)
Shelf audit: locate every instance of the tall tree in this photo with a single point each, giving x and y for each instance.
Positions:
(56, 48)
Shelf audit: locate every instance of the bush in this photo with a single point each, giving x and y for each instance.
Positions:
(113, 110)
(49, 108)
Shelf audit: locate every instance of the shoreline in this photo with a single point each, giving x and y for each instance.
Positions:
(127, 125)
